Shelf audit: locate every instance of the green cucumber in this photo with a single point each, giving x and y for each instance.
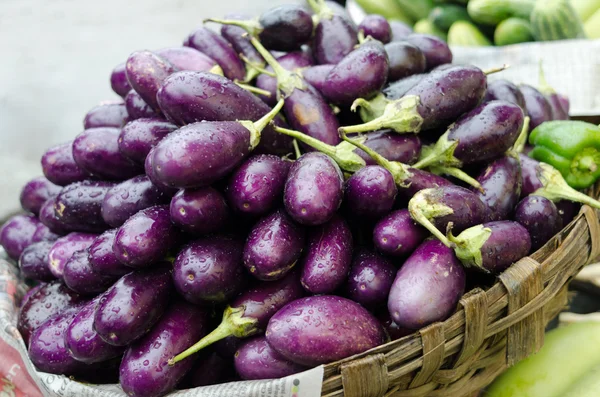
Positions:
(465, 34)
(390, 9)
(555, 20)
(427, 27)
(416, 9)
(492, 12)
(592, 26)
(585, 8)
(512, 31)
(443, 16)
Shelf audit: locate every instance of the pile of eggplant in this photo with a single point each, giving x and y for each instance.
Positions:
(290, 192)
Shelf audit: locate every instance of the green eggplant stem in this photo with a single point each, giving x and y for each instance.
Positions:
(422, 211)
(459, 174)
(400, 115)
(297, 151)
(555, 188)
(256, 127)
(253, 89)
(487, 72)
(253, 27)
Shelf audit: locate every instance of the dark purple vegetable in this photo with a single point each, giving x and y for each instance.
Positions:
(493, 246)
(314, 189)
(145, 238)
(43, 233)
(199, 211)
(146, 72)
(400, 30)
(217, 48)
(187, 58)
(209, 369)
(391, 328)
(540, 217)
(316, 75)
(118, 80)
(558, 110)
(16, 234)
(102, 258)
(256, 359)
(249, 313)
(137, 108)
(49, 219)
(505, 90)
(397, 234)
(360, 74)
(537, 107)
(60, 167)
(110, 114)
(129, 197)
(377, 27)
(144, 371)
(370, 192)
(82, 341)
(35, 193)
(64, 248)
(398, 89)
(49, 300)
(273, 246)
(405, 60)
(370, 279)
(436, 50)
(437, 208)
(34, 262)
(32, 291)
(567, 210)
(257, 185)
(78, 206)
(427, 286)
(335, 34)
(79, 275)
(326, 263)
(565, 103)
(501, 184)
(139, 136)
(336, 328)
(209, 270)
(133, 305)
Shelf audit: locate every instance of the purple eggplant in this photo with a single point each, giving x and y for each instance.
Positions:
(137, 108)
(558, 110)
(199, 211)
(129, 197)
(564, 102)
(256, 359)
(397, 234)
(567, 210)
(79, 275)
(370, 279)
(397, 89)
(188, 97)
(16, 234)
(209, 369)
(35, 193)
(540, 217)
(209, 270)
(32, 291)
(370, 192)
(240, 41)
(314, 189)
(377, 27)
(217, 48)
(393, 330)
(455, 207)
(34, 262)
(405, 60)
(316, 75)
(49, 300)
(501, 184)
(43, 233)
(145, 238)
(250, 312)
(427, 287)
(118, 80)
(537, 107)
(335, 34)
(273, 246)
(49, 218)
(60, 167)
(139, 136)
(504, 90)
(293, 61)
(102, 258)
(493, 246)
(146, 72)
(360, 74)
(83, 342)
(436, 50)
(257, 185)
(326, 263)
(63, 248)
(133, 305)
(110, 114)
(337, 328)
(187, 58)
(144, 371)
(78, 206)
(400, 30)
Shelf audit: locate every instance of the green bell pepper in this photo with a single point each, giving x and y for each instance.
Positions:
(572, 147)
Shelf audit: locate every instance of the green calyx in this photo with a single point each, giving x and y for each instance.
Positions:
(233, 324)
(440, 154)
(400, 115)
(252, 26)
(458, 174)
(468, 244)
(256, 127)
(253, 89)
(216, 70)
(423, 208)
(519, 144)
(543, 85)
(555, 188)
(321, 9)
(371, 109)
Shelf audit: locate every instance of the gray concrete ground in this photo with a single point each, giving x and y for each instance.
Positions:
(56, 60)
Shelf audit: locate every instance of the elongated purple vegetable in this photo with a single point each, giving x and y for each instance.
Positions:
(377, 27)
(250, 312)
(559, 112)
(102, 257)
(146, 72)
(501, 184)
(504, 90)
(370, 279)
(393, 330)
(316, 75)
(292, 61)
(78, 207)
(79, 275)
(370, 192)
(436, 51)
(256, 359)
(35, 193)
(335, 34)
(537, 106)
(400, 30)
(397, 234)
(111, 114)
(199, 211)
(64, 248)
(137, 108)
(187, 58)
(540, 217)
(405, 60)
(60, 167)
(427, 286)
(34, 262)
(217, 48)
(16, 234)
(139, 136)
(118, 80)
(48, 218)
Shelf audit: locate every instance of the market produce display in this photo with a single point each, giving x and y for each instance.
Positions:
(290, 192)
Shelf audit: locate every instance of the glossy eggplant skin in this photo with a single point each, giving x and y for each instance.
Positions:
(285, 28)
(34, 262)
(138, 109)
(335, 37)
(316, 75)
(377, 27)
(35, 193)
(102, 258)
(501, 182)
(370, 279)
(112, 114)
(508, 242)
(79, 275)
(255, 359)
(78, 207)
(397, 234)
(60, 167)
(537, 106)
(292, 61)
(199, 211)
(139, 136)
(187, 58)
(217, 48)
(16, 234)
(118, 80)
(405, 60)
(436, 51)
(146, 71)
(400, 30)
(404, 148)
(540, 217)
(370, 192)
(505, 90)
(63, 248)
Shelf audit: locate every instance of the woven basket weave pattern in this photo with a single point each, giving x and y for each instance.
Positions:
(490, 331)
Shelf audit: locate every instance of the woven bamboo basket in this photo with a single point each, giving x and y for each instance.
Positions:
(490, 331)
